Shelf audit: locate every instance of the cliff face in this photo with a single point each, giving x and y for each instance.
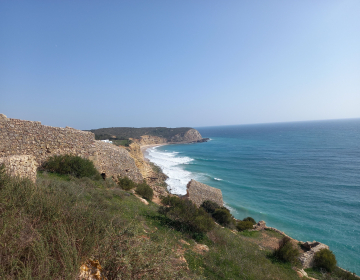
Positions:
(149, 140)
(189, 136)
(192, 135)
(136, 153)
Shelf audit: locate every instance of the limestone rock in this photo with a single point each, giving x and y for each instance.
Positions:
(261, 225)
(192, 135)
(198, 192)
(200, 248)
(91, 270)
(307, 258)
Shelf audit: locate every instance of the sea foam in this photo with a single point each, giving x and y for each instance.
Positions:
(172, 165)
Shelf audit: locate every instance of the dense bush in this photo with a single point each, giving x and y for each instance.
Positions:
(287, 251)
(72, 165)
(250, 219)
(325, 259)
(145, 191)
(210, 206)
(125, 183)
(223, 216)
(244, 225)
(186, 214)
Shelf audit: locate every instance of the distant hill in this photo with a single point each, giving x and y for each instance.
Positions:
(132, 132)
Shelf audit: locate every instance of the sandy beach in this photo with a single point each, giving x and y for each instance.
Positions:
(145, 147)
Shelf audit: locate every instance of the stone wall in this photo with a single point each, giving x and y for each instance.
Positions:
(198, 192)
(19, 137)
(23, 166)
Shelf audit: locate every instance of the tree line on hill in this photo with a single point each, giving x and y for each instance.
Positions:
(123, 133)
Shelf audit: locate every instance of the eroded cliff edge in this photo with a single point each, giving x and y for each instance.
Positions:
(154, 176)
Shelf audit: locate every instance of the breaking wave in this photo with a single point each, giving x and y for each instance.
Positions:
(172, 164)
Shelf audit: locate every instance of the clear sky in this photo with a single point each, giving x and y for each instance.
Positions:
(92, 64)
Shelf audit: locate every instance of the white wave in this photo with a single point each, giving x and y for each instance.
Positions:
(171, 164)
(232, 210)
(218, 179)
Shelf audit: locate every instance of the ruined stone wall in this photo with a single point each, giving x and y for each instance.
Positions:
(198, 192)
(19, 137)
(21, 166)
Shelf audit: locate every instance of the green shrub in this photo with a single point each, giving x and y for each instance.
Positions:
(210, 206)
(125, 183)
(325, 259)
(3, 176)
(244, 225)
(71, 165)
(186, 215)
(287, 251)
(145, 191)
(249, 219)
(223, 216)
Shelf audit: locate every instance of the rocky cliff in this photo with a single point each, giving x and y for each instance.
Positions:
(192, 135)
(198, 193)
(147, 134)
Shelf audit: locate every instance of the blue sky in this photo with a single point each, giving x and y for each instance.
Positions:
(92, 64)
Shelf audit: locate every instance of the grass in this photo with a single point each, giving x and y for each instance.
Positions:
(252, 234)
(48, 229)
(233, 258)
(273, 233)
(123, 142)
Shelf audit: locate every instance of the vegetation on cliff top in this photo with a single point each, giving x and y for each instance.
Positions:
(48, 229)
(123, 133)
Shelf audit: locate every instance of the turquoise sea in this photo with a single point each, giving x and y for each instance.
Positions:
(302, 178)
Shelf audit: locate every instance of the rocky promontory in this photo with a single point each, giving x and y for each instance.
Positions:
(150, 135)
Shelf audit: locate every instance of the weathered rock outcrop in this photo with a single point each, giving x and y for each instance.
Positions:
(153, 178)
(192, 135)
(198, 192)
(261, 225)
(115, 161)
(307, 258)
(28, 138)
(149, 140)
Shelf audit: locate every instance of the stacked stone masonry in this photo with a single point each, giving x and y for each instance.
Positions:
(19, 137)
(20, 166)
(198, 192)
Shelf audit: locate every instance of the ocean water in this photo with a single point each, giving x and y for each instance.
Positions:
(302, 178)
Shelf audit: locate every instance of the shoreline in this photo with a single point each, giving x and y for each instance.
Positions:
(144, 149)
